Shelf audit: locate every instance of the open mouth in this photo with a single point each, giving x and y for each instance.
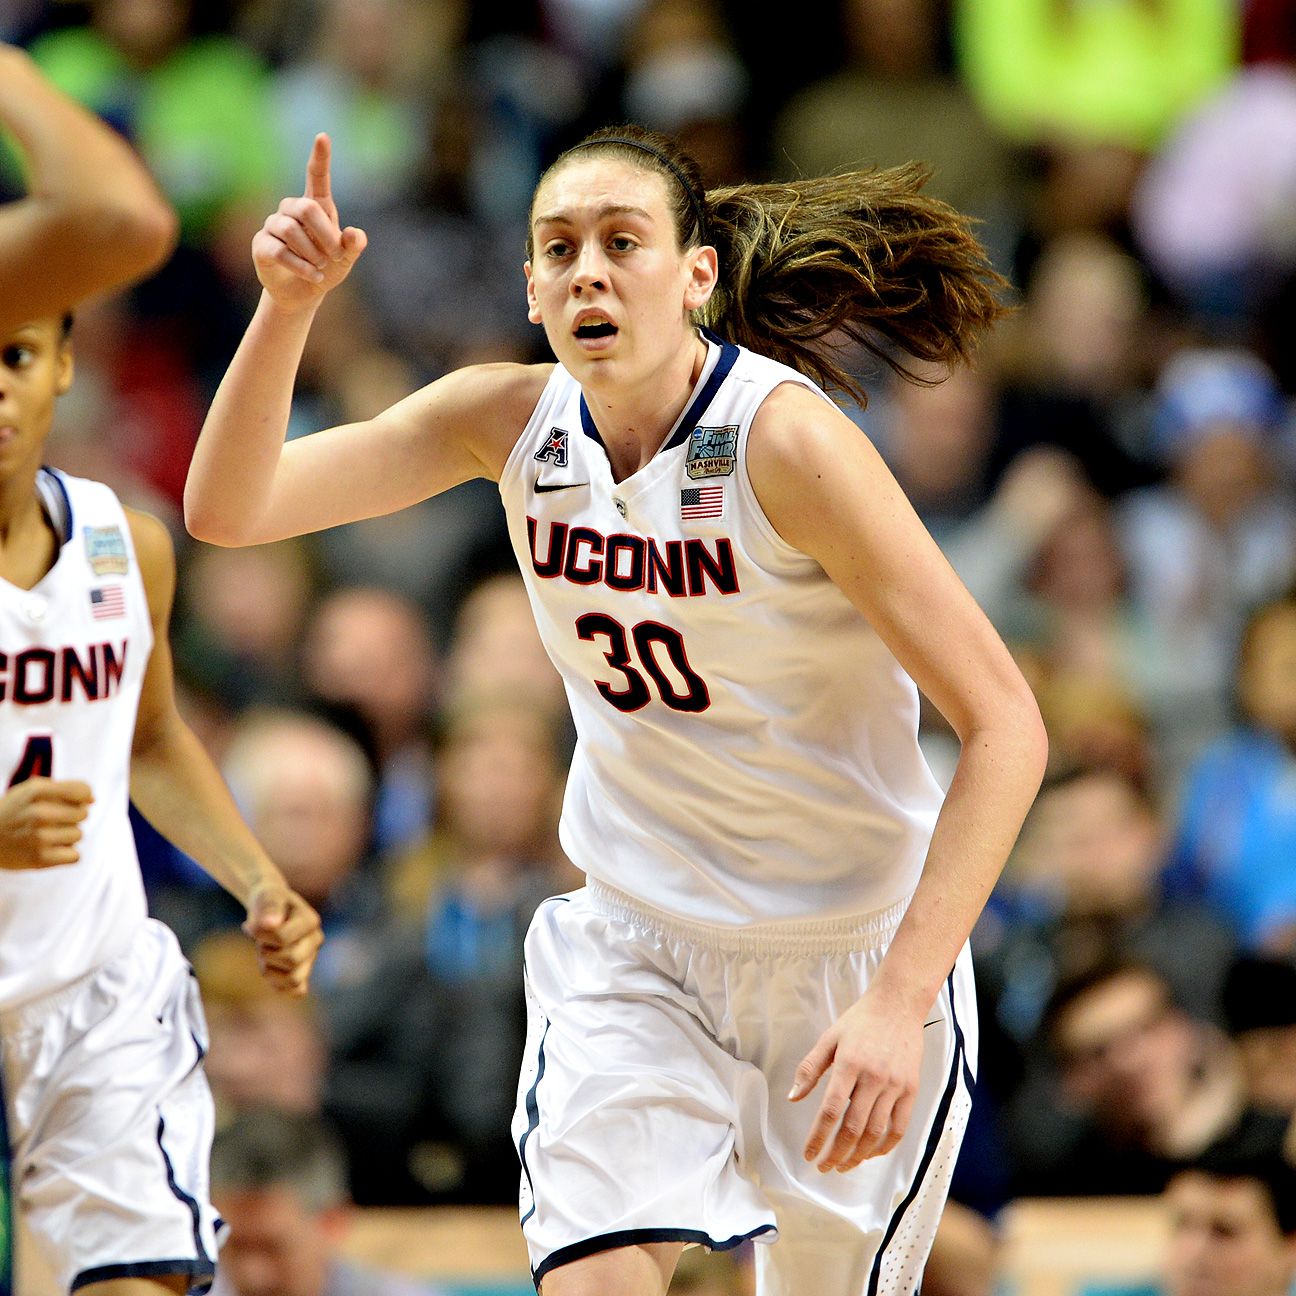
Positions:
(596, 328)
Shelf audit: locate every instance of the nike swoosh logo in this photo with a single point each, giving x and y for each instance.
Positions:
(540, 490)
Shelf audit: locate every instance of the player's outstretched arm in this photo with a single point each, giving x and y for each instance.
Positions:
(92, 219)
(178, 789)
(827, 491)
(245, 486)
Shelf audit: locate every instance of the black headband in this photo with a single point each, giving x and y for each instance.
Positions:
(689, 193)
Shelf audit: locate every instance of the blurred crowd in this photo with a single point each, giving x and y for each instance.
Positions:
(1114, 482)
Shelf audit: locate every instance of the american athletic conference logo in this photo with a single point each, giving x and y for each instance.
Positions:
(712, 452)
(554, 449)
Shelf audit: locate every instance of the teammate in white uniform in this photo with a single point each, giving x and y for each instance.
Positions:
(101, 1029)
(740, 601)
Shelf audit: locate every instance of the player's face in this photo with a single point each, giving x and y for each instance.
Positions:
(607, 278)
(276, 1247)
(35, 370)
(1224, 1240)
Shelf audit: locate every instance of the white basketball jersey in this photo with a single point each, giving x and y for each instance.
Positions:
(72, 655)
(747, 747)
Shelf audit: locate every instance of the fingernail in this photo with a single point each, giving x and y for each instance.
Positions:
(794, 1093)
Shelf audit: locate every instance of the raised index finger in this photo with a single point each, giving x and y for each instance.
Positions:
(317, 170)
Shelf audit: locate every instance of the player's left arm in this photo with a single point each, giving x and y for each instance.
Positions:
(827, 492)
(178, 789)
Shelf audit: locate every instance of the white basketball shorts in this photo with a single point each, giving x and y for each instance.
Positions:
(110, 1119)
(652, 1103)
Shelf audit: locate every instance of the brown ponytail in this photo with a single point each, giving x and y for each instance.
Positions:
(864, 255)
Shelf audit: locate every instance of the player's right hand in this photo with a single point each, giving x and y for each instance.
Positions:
(40, 822)
(301, 252)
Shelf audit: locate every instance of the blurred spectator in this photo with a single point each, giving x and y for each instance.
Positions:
(1220, 535)
(432, 221)
(1237, 830)
(279, 1182)
(1100, 651)
(196, 104)
(240, 614)
(495, 645)
(371, 650)
(306, 788)
(1260, 1013)
(500, 779)
(938, 439)
(265, 1049)
(893, 103)
(684, 77)
(532, 84)
(1143, 1088)
(349, 375)
(1084, 884)
(593, 32)
(133, 416)
(1232, 1225)
(1070, 362)
(1268, 31)
(445, 1008)
(1213, 211)
(1121, 72)
(361, 81)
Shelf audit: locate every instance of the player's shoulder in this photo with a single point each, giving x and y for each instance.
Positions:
(151, 535)
(155, 552)
(794, 416)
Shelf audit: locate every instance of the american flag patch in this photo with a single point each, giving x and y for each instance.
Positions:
(107, 602)
(701, 502)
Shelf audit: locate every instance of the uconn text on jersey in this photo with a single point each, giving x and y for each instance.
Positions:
(39, 675)
(679, 568)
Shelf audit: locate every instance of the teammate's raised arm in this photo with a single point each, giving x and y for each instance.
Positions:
(92, 219)
(246, 487)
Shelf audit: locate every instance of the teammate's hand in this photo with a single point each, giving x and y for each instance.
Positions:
(287, 934)
(40, 822)
(872, 1053)
(301, 253)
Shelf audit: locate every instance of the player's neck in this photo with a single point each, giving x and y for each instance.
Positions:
(19, 502)
(28, 543)
(634, 421)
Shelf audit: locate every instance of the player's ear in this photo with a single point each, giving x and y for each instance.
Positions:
(704, 272)
(533, 306)
(66, 367)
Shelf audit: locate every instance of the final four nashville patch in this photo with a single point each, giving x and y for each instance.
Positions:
(106, 550)
(712, 452)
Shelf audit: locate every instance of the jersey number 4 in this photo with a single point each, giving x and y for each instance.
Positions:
(37, 760)
(649, 638)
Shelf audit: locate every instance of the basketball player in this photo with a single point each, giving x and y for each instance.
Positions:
(92, 219)
(101, 1028)
(740, 602)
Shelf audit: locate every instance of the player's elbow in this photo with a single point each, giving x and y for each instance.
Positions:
(1020, 716)
(211, 525)
(144, 234)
